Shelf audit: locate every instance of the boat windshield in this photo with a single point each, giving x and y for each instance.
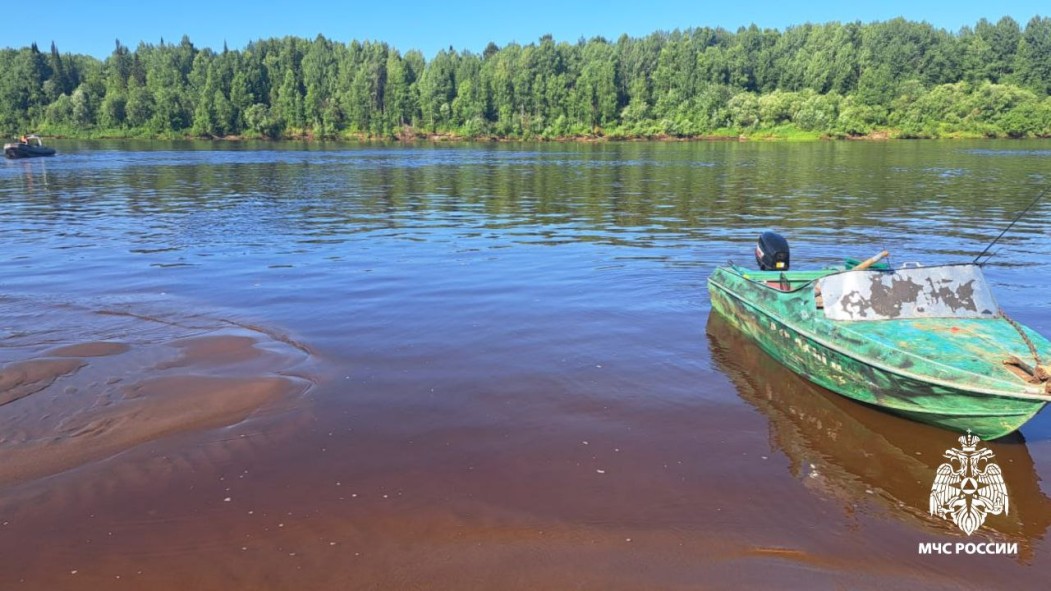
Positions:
(946, 291)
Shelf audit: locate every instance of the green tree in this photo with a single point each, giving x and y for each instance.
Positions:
(60, 112)
(437, 89)
(744, 110)
(594, 97)
(113, 110)
(140, 106)
(818, 112)
(83, 111)
(1034, 55)
(846, 79)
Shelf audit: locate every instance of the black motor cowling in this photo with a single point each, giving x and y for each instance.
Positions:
(771, 252)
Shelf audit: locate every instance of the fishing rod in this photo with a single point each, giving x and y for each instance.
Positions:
(1009, 226)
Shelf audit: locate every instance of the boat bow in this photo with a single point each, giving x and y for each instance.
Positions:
(926, 342)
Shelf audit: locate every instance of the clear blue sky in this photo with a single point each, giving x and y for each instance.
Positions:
(82, 26)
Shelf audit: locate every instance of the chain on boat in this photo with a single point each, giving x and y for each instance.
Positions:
(1036, 374)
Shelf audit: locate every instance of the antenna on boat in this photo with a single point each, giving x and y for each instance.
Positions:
(1009, 226)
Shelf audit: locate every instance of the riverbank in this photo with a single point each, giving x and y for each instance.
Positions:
(783, 133)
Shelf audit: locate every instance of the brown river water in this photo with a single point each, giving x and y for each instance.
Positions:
(332, 366)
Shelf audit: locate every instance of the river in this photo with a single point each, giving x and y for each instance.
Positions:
(477, 366)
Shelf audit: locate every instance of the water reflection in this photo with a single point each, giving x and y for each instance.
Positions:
(33, 174)
(630, 194)
(855, 454)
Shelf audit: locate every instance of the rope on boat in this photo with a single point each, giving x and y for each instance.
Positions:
(1038, 372)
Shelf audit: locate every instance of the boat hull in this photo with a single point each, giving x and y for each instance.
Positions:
(820, 433)
(14, 151)
(957, 408)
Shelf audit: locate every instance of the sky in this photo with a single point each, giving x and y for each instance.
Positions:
(83, 27)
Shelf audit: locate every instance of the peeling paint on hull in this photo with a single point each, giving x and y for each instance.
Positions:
(982, 397)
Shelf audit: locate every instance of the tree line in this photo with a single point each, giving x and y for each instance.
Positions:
(904, 78)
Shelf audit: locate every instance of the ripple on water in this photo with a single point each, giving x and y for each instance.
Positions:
(128, 377)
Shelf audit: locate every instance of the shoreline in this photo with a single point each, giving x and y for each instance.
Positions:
(412, 136)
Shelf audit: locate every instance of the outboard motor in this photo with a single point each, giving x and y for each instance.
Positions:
(771, 252)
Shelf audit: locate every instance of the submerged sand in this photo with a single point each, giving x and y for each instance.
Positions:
(65, 406)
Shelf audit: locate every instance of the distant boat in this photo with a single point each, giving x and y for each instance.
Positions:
(928, 343)
(31, 147)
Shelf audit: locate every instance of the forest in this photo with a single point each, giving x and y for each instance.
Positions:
(895, 78)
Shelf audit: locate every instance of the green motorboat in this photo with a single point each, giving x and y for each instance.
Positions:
(928, 343)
